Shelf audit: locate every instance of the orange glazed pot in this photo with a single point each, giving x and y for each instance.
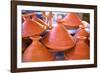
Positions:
(71, 21)
(31, 28)
(59, 39)
(81, 51)
(37, 52)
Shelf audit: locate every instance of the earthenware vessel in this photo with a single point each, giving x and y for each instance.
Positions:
(71, 21)
(37, 52)
(81, 51)
(31, 27)
(58, 39)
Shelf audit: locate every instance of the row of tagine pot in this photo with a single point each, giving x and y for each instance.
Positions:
(41, 43)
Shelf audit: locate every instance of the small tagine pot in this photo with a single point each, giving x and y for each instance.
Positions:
(82, 32)
(31, 27)
(58, 39)
(81, 51)
(37, 52)
(71, 21)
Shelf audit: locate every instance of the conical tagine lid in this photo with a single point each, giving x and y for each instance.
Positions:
(58, 39)
(71, 20)
(81, 32)
(37, 52)
(31, 27)
(79, 52)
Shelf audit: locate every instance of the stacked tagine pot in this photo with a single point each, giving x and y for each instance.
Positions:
(37, 52)
(81, 50)
(82, 32)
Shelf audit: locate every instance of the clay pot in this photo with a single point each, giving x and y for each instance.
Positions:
(59, 39)
(81, 50)
(37, 52)
(82, 32)
(71, 21)
(31, 27)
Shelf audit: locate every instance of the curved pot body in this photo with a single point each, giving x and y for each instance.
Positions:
(37, 52)
(82, 32)
(31, 27)
(81, 51)
(59, 39)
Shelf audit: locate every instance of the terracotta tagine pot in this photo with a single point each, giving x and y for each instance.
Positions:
(71, 21)
(81, 50)
(58, 39)
(37, 52)
(31, 27)
(82, 32)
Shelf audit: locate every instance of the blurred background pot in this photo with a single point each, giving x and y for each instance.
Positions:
(71, 21)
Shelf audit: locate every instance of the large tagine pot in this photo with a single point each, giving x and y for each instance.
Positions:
(58, 39)
(71, 21)
(81, 50)
(37, 52)
(31, 27)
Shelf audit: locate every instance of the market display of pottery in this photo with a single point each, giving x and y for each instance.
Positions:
(42, 41)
